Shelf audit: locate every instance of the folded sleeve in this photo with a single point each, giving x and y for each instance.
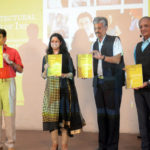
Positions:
(117, 47)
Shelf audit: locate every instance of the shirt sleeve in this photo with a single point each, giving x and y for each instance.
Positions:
(135, 54)
(17, 59)
(43, 63)
(117, 47)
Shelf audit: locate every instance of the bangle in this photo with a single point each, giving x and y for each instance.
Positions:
(11, 62)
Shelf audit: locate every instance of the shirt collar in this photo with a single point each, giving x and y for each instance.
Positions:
(102, 39)
(148, 40)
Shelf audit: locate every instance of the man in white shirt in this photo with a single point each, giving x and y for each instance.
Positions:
(108, 81)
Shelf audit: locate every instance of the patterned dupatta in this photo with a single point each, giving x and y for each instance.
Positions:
(51, 99)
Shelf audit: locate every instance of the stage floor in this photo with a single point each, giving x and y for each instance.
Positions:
(39, 140)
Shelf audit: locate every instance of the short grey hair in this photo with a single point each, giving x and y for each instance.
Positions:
(145, 17)
(102, 20)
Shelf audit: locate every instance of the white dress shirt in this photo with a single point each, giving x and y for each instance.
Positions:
(117, 49)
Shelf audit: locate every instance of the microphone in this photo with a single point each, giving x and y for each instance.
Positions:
(141, 35)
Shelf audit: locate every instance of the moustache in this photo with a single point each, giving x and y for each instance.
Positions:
(97, 32)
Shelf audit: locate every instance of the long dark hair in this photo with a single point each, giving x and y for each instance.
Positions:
(63, 47)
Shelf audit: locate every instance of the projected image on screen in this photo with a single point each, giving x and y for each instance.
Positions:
(108, 2)
(84, 33)
(77, 3)
(57, 3)
(133, 1)
(57, 22)
(74, 22)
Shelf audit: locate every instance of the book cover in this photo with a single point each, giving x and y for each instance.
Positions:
(134, 76)
(85, 65)
(55, 65)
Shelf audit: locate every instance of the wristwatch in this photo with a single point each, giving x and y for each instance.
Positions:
(11, 62)
(148, 83)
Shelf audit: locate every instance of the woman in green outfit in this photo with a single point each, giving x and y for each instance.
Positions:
(61, 112)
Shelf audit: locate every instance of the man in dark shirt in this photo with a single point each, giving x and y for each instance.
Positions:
(142, 94)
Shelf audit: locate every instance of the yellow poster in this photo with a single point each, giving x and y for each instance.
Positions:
(85, 66)
(55, 65)
(1, 56)
(134, 76)
(23, 23)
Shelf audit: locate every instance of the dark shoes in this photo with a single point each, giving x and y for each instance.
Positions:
(101, 149)
(139, 136)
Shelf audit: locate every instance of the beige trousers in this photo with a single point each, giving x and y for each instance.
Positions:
(7, 111)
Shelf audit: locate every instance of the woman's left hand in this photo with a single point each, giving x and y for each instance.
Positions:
(64, 75)
(67, 75)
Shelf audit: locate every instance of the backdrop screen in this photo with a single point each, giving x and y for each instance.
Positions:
(29, 31)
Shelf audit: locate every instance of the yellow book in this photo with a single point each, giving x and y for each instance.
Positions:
(55, 65)
(134, 76)
(85, 65)
(1, 56)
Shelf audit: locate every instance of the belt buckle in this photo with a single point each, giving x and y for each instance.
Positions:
(101, 77)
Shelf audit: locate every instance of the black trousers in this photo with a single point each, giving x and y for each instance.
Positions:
(108, 116)
(142, 99)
